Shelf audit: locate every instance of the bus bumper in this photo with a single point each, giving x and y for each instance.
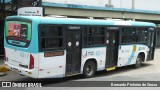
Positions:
(23, 71)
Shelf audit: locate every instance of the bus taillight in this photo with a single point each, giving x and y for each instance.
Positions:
(31, 63)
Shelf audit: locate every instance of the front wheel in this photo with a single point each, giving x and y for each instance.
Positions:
(89, 69)
(138, 62)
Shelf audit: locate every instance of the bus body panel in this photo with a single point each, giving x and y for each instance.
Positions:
(52, 67)
(17, 60)
(23, 71)
(16, 57)
(128, 54)
(98, 53)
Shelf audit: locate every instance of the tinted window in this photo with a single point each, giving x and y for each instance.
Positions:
(141, 35)
(128, 35)
(134, 35)
(51, 37)
(96, 36)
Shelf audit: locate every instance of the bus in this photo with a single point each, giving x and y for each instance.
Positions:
(47, 47)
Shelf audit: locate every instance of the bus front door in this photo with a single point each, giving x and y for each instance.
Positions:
(112, 37)
(73, 50)
(151, 44)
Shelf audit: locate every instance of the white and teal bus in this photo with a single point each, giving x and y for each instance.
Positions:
(47, 47)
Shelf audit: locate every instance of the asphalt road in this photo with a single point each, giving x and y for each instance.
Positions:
(149, 71)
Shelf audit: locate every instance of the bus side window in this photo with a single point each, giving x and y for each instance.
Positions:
(51, 37)
(141, 35)
(96, 36)
(133, 35)
(128, 35)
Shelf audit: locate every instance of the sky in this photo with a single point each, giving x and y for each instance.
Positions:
(153, 5)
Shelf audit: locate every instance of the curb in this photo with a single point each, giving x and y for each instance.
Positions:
(3, 69)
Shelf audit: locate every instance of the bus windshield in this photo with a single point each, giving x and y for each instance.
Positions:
(18, 33)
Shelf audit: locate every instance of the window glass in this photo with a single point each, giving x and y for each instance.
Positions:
(128, 35)
(51, 37)
(96, 36)
(18, 29)
(18, 33)
(132, 35)
(141, 35)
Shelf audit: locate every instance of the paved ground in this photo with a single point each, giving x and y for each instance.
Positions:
(1, 61)
(150, 71)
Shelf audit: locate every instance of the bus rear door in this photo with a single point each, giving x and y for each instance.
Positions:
(151, 43)
(73, 47)
(112, 37)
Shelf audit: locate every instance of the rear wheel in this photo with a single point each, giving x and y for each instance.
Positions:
(89, 69)
(138, 62)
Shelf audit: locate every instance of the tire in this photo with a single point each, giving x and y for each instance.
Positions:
(138, 62)
(89, 69)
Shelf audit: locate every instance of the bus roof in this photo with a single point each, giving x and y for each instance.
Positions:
(78, 21)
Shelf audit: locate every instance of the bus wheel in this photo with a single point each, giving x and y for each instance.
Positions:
(138, 62)
(89, 69)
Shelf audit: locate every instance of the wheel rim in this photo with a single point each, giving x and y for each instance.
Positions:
(89, 69)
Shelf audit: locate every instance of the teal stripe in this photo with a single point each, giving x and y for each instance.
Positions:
(49, 20)
(130, 58)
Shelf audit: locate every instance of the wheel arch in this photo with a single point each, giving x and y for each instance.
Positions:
(142, 54)
(93, 60)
